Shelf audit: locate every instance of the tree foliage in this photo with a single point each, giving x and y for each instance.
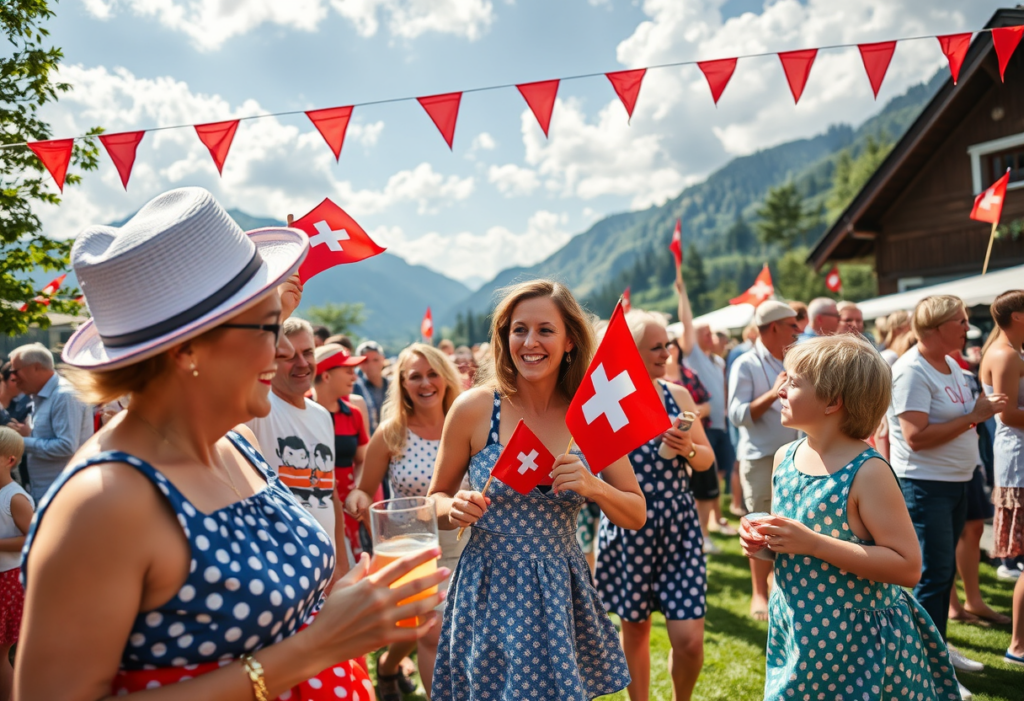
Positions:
(783, 218)
(852, 173)
(338, 317)
(27, 82)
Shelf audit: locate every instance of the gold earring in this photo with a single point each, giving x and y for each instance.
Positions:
(195, 373)
(568, 359)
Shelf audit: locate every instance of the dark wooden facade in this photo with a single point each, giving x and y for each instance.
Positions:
(913, 215)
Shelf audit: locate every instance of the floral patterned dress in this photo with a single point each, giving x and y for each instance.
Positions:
(836, 636)
(523, 619)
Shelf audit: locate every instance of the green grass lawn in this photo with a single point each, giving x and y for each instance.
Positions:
(734, 642)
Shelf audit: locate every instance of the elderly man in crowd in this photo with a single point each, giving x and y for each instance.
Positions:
(755, 408)
(851, 319)
(822, 318)
(60, 422)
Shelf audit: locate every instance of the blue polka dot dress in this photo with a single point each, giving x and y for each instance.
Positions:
(523, 620)
(259, 569)
(661, 567)
(833, 635)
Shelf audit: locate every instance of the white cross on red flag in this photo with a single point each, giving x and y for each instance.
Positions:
(761, 290)
(988, 206)
(525, 462)
(334, 239)
(46, 293)
(427, 325)
(833, 282)
(616, 409)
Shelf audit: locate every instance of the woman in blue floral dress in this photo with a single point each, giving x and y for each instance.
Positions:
(841, 626)
(523, 620)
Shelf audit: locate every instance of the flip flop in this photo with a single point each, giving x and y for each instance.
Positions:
(998, 619)
(1013, 659)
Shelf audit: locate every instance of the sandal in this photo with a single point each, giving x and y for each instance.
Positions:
(723, 528)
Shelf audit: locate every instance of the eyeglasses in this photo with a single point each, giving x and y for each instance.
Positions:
(272, 328)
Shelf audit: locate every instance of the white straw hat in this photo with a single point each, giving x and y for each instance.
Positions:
(177, 268)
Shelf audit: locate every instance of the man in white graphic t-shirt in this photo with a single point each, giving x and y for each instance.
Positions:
(297, 436)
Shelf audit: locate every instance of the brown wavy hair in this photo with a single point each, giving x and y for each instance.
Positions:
(577, 328)
(1005, 306)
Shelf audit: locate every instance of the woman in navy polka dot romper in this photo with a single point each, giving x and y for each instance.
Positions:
(661, 566)
(404, 449)
(523, 620)
(167, 554)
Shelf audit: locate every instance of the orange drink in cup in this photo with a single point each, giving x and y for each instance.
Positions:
(404, 527)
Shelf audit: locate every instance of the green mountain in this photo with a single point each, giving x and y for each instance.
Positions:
(716, 215)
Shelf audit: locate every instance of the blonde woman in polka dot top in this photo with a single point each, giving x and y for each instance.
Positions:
(404, 450)
(840, 625)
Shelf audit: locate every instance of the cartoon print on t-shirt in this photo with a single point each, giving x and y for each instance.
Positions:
(295, 470)
(321, 477)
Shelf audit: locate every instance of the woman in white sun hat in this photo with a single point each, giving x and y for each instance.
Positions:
(166, 554)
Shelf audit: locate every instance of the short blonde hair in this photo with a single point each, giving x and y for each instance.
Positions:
(848, 368)
(638, 320)
(11, 444)
(577, 328)
(932, 312)
(398, 406)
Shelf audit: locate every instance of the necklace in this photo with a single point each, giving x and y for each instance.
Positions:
(229, 481)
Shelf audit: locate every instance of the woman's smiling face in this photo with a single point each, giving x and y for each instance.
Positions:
(537, 338)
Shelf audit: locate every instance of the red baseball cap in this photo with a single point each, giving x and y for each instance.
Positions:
(335, 355)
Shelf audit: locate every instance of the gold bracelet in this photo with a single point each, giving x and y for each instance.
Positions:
(254, 669)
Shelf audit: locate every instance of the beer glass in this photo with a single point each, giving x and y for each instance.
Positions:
(403, 527)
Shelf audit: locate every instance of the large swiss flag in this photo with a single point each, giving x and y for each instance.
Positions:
(334, 239)
(616, 409)
(525, 462)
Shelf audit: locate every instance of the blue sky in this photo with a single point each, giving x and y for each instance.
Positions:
(505, 195)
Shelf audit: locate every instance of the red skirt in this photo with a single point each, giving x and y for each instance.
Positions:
(12, 600)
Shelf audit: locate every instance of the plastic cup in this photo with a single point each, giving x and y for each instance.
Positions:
(403, 527)
(683, 422)
(755, 519)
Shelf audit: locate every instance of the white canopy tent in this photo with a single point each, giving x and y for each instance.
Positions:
(734, 317)
(977, 289)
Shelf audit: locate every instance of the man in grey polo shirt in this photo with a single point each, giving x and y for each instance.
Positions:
(754, 407)
(60, 422)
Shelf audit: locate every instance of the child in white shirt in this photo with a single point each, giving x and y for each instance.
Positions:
(16, 509)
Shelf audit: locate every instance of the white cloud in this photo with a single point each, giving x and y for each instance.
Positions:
(209, 23)
(470, 256)
(271, 168)
(513, 180)
(484, 142)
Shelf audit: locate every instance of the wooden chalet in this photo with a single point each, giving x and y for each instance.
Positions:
(912, 216)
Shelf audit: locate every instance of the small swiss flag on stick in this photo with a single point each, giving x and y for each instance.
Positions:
(627, 306)
(525, 462)
(833, 282)
(334, 239)
(988, 207)
(677, 243)
(616, 409)
(761, 290)
(427, 326)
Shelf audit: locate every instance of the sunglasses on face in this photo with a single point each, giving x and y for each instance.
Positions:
(272, 328)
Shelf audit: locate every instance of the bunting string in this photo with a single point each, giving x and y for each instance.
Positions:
(443, 109)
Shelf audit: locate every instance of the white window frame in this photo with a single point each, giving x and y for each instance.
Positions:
(983, 149)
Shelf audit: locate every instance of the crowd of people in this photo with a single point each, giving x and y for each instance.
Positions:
(190, 490)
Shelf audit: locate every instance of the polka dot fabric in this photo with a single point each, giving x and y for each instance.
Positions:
(523, 620)
(833, 635)
(259, 568)
(410, 472)
(661, 567)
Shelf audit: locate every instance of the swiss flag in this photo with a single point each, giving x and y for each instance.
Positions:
(833, 282)
(427, 325)
(46, 293)
(616, 409)
(627, 306)
(761, 290)
(525, 462)
(677, 243)
(334, 239)
(988, 206)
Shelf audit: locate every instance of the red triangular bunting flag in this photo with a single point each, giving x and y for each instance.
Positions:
(616, 408)
(334, 239)
(524, 462)
(677, 243)
(988, 206)
(541, 99)
(761, 290)
(627, 305)
(955, 46)
(627, 86)
(427, 325)
(46, 293)
(444, 111)
(121, 148)
(1006, 40)
(876, 59)
(718, 74)
(55, 155)
(833, 282)
(797, 65)
(332, 123)
(217, 137)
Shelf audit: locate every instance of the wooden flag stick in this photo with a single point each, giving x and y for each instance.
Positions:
(483, 493)
(988, 254)
(571, 442)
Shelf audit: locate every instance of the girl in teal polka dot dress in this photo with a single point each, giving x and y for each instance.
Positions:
(841, 626)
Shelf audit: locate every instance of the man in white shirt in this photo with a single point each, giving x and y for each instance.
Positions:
(754, 407)
(297, 436)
